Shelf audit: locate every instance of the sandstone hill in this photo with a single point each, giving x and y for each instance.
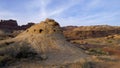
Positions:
(42, 46)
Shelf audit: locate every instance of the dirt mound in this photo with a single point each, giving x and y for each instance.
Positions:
(44, 41)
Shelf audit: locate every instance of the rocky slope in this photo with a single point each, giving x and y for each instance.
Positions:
(46, 43)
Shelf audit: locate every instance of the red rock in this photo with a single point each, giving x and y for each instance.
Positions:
(12, 25)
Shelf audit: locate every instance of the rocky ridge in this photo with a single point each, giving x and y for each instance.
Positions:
(85, 32)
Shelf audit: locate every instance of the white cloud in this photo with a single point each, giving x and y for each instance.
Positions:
(43, 4)
(64, 7)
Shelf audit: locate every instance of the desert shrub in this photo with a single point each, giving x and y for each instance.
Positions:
(29, 55)
(25, 54)
(1, 38)
(8, 43)
(97, 51)
(5, 60)
(10, 36)
(108, 59)
(109, 41)
(27, 30)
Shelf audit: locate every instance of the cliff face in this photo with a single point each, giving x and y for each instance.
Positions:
(8, 24)
(84, 32)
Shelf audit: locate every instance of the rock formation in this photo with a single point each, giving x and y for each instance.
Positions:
(13, 25)
(8, 24)
(11, 22)
(24, 27)
(46, 42)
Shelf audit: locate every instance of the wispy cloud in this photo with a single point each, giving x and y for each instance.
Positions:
(43, 8)
(64, 7)
(43, 4)
(44, 12)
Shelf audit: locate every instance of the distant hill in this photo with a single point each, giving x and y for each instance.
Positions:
(84, 32)
(13, 25)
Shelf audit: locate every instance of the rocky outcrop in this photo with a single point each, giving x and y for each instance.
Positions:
(24, 27)
(46, 42)
(8, 24)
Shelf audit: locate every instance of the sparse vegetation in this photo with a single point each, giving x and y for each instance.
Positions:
(97, 51)
(8, 43)
(4, 60)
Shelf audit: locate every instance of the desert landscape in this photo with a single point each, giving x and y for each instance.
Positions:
(59, 33)
(47, 45)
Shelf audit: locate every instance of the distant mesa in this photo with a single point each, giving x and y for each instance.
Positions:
(13, 25)
(23, 27)
(8, 22)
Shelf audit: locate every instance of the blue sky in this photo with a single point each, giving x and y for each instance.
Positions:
(66, 12)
